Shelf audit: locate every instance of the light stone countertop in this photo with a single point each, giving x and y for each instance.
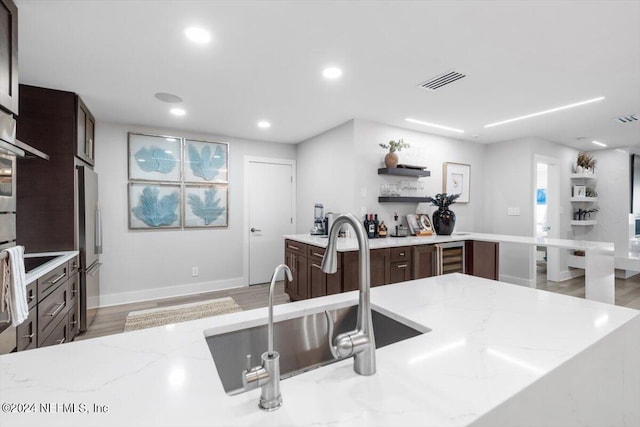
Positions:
(496, 352)
(351, 244)
(61, 258)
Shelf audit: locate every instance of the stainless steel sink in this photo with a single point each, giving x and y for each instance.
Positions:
(302, 342)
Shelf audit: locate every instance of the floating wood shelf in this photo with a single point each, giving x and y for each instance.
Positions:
(418, 173)
(584, 222)
(402, 199)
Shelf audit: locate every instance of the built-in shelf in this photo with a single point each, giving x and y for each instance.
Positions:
(417, 173)
(402, 199)
(584, 222)
(583, 199)
(583, 175)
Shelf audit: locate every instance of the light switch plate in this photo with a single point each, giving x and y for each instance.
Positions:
(513, 211)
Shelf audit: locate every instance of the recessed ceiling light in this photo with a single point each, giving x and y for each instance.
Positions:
(553, 110)
(168, 97)
(601, 144)
(171, 139)
(197, 35)
(332, 73)
(177, 111)
(264, 124)
(420, 122)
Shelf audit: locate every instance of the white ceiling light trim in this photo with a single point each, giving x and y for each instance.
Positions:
(178, 111)
(601, 144)
(553, 110)
(332, 73)
(433, 125)
(197, 35)
(264, 124)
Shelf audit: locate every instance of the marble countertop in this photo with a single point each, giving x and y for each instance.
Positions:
(489, 342)
(38, 272)
(351, 244)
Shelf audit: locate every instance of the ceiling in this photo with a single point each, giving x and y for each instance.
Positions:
(266, 57)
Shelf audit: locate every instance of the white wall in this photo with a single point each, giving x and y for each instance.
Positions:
(325, 174)
(140, 265)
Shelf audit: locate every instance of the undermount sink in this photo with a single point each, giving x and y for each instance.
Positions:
(302, 342)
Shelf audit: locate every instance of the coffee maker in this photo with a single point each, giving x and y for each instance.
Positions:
(319, 221)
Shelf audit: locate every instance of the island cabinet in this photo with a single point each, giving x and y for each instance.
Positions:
(482, 259)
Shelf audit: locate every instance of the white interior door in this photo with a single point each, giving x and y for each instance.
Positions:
(546, 217)
(271, 201)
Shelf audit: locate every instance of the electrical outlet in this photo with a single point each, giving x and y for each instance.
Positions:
(194, 272)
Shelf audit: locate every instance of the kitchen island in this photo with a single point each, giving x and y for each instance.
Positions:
(497, 354)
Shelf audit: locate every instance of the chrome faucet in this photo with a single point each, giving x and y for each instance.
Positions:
(267, 375)
(360, 342)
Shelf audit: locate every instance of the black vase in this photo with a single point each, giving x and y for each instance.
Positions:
(443, 221)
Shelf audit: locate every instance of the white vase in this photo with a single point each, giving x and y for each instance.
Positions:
(578, 169)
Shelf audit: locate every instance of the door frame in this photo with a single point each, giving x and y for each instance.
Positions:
(553, 215)
(246, 234)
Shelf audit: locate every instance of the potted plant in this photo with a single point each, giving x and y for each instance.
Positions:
(585, 163)
(444, 219)
(391, 159)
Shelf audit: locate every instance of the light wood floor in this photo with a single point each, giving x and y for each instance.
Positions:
(110, 320)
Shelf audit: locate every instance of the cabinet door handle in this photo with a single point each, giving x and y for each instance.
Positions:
(57, 310)
(401, 253)
(29, 336)
(74, 291)
(73, 322)
(61, 341)
(402, 266)
(317, 254)
(294, 247)
(316, 266)
(57, 279)
(31, 297)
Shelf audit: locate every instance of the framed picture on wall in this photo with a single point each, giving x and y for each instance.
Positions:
(155, 158)
(579, 190)
(206, 206)
(206, 162)
(154, 206)
(455, 180)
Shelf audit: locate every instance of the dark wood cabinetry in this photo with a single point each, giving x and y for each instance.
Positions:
(379, 269)
(50, 120)
(424, 261)
(296, 259)
(482, 259)
(85, 139)
(27, 332)
(401, 264)
(9, 99)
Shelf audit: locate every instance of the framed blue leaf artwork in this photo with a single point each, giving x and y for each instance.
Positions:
(155, 158)
(206, 206)
(206, 162)
(154, 206)
(541, 196)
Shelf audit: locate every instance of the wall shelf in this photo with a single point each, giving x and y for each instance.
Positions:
(584, 222)
(417, 173)
(584, 199)
(402, 199)
(583, 175)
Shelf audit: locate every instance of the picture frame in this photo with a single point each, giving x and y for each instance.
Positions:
(206, 206)
(456, 180)
(154, 158)
(579, 191)
(154, 206)
(206, 162)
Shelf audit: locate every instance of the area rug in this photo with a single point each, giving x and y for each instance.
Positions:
(179, 313)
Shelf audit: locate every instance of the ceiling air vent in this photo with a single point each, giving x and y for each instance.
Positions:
(442, 80)
(628, 119)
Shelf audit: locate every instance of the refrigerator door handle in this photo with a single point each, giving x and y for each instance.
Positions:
(94, 269)
(98, 230)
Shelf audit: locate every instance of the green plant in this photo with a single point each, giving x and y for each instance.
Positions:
(443, 200)
(395, 145)
(590, 192)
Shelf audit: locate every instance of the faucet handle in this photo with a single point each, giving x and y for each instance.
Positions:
(248, 366)
(344, 344)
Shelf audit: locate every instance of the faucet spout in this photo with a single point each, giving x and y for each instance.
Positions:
(360, 342)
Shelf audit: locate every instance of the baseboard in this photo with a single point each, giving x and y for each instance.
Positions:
(570, 274)
(166, 292)
(517, 281)
(625, 274)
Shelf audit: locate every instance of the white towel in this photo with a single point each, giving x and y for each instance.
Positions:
(15, 288)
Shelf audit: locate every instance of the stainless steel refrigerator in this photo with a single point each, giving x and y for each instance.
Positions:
(89, 243)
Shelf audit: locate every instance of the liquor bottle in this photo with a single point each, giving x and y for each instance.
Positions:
(366, 223)
(382, 229)
(371, 230)
(376, 225)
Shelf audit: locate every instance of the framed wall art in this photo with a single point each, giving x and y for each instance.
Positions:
(455, 180)
(155, 158)
(154, 206)
(206, 162)
(206, 206)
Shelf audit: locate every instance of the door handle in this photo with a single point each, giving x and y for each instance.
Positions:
(253, 230)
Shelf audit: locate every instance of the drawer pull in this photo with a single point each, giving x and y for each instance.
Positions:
(317, 254)
(74, 291)
(29, 336)
(73, 322)
(294, 247)
(61, 341)
(57, 279)
(316, 266)
(57, 310)
(402, 266)
(31, 297)
(401, 253)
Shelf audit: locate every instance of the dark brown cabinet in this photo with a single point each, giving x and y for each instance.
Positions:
(85, 139)
(424, 261)
(46, 190)
(9, 57)
(401, 265)
(27, 332)
(321, 283)
(296, 259)
(482, 259)
(379, 268)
